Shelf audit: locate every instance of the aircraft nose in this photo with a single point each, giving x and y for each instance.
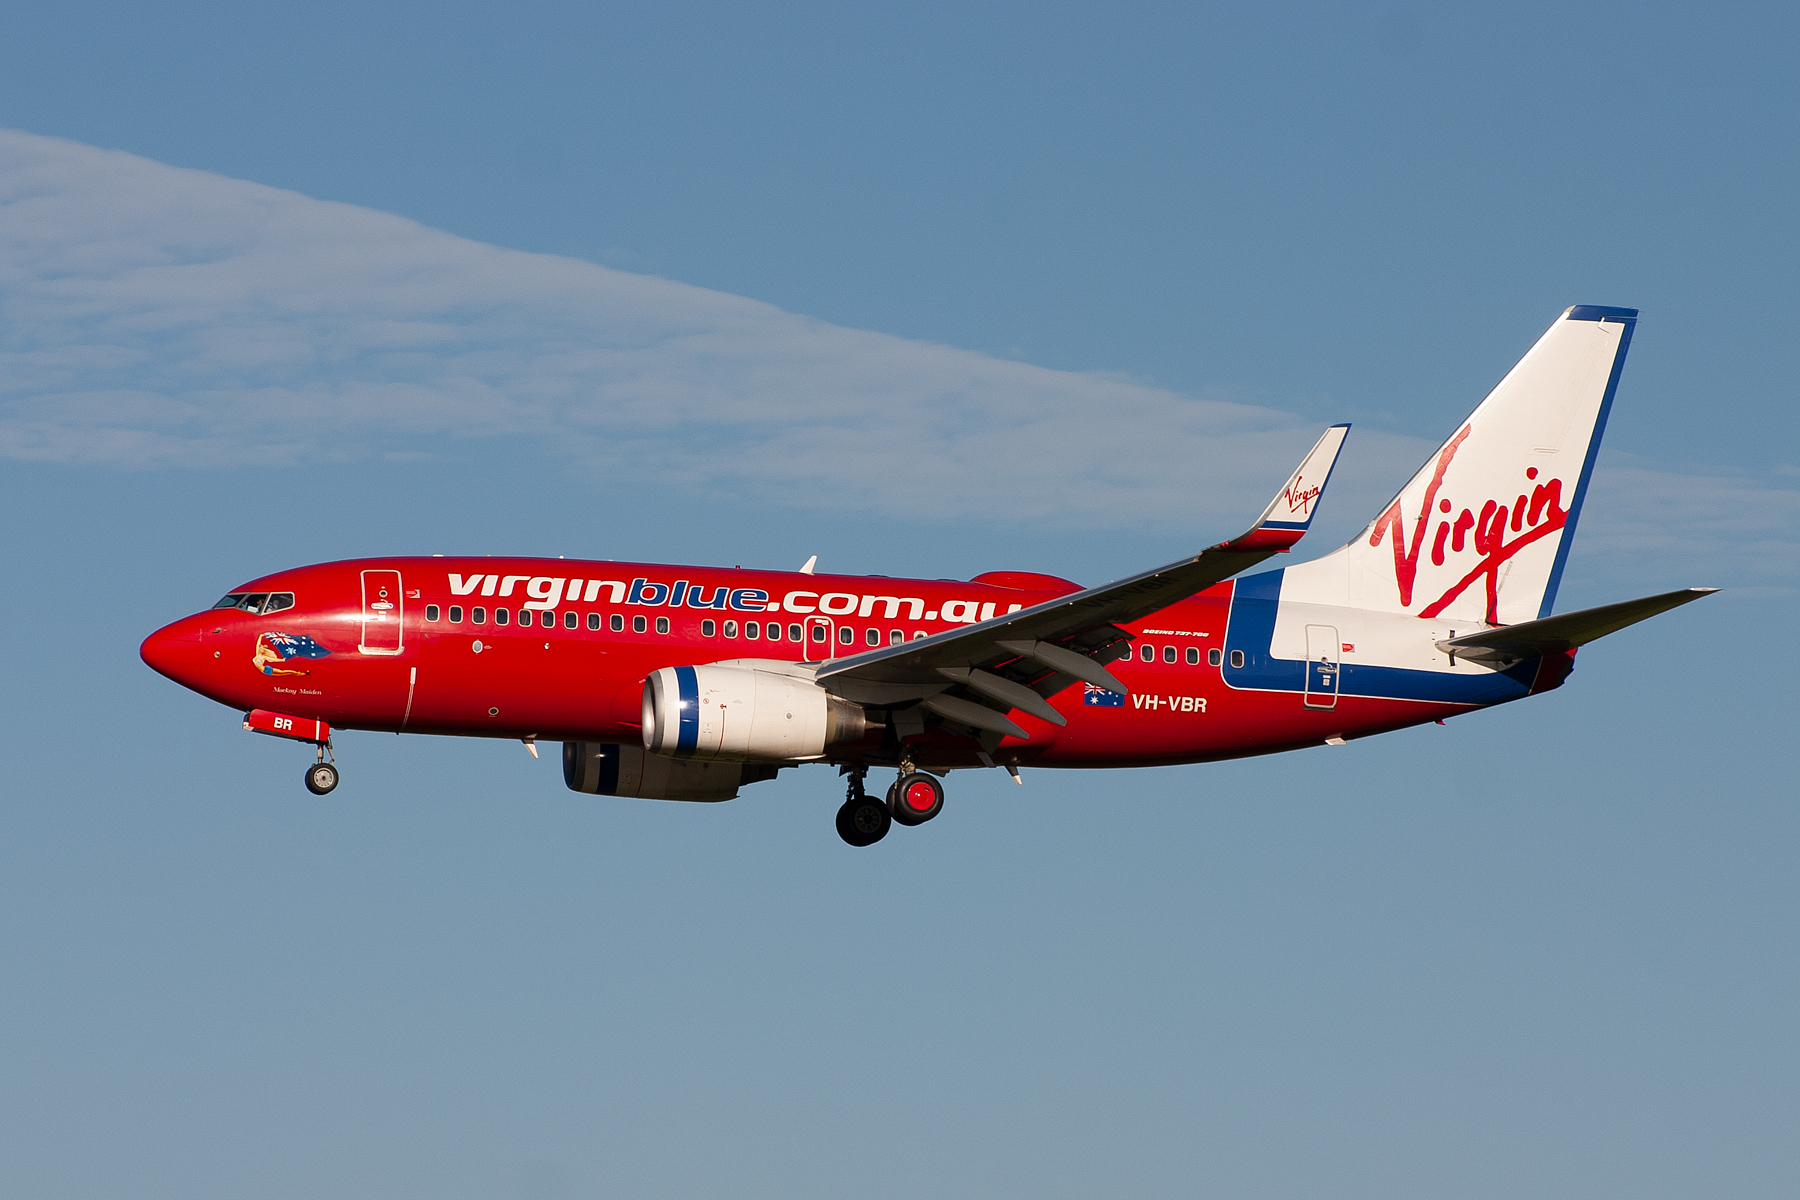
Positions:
(173, 649)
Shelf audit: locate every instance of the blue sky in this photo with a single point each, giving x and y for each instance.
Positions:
(921, 290)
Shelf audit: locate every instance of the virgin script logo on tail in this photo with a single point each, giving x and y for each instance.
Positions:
(1533, 517)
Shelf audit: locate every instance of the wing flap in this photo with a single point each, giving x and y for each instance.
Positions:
(998, 687)
(979, 716)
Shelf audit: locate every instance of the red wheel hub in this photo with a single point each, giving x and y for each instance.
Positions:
(920, 796)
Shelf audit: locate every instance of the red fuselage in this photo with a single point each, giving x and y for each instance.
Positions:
(558, 650)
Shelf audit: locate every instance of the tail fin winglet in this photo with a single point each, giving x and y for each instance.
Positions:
(1290, 513)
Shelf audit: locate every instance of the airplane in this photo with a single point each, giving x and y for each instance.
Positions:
(690, 683)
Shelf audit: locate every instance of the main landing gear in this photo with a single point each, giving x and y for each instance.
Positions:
(322, 776)
(863, 820)
(914, 799)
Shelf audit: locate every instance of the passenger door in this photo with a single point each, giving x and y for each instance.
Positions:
(382, 612)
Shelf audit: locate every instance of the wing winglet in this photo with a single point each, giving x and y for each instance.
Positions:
(1290, 513)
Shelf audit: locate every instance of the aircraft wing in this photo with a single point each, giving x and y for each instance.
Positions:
(1016, 660)
(1554, 635)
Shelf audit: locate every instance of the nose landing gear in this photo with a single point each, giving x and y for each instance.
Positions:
(322, 776)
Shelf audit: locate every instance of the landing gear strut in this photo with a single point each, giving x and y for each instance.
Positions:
(863, 820)
(322, 776)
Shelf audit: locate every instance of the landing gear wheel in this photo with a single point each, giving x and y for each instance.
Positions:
(916, 798)
(863, 820)
(321, 778)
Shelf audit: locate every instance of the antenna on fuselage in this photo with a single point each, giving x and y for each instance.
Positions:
(810, 564)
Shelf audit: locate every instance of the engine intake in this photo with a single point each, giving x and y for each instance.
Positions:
(743, 713)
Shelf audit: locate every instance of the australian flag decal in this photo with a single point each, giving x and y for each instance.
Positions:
(1095, 697)
(296, 645)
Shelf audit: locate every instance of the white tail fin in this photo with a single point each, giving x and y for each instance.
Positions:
(1482, 531)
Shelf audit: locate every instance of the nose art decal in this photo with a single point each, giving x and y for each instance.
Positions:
(276, 651)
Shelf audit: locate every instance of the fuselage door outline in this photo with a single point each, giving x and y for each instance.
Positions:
(1322, 666)
(383, 613)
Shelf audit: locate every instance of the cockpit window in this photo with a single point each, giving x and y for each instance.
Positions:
(257, 602)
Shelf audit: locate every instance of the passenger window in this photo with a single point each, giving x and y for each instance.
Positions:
(431, 612)
(570, 620)
(918, 634)
(1193, 656)
(639, 624)
(1213, 656)
(708, 628)
(818, 633)
(896, 636)
(662, 624)
(846, 636)
(752, 629)
(1237, 658)
(593, 620)
(456, 614)
(281, 600)
(873, 637)
(1147, 653)
(1168, 654)
(731, 629)
(618, 623)
(478, 615)
(794, 633)
(548, 620)
(502, 616)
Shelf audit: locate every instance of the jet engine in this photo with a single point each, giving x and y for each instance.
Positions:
(744, 713)
(603, 769)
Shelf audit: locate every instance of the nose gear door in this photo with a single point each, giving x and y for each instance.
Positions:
(382, 612)
(1321, 666)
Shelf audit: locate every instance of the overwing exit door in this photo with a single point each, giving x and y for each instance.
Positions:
(1321, 666)
(381, 612)
(819, 633)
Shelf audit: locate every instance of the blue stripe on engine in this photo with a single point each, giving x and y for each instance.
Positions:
(689, 688)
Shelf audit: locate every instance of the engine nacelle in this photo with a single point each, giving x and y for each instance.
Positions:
(603, 769)
(744, 713)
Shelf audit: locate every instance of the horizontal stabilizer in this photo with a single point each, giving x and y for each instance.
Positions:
(1554, 635)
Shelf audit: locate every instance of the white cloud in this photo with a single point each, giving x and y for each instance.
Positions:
(1671, 528)
(161, 317)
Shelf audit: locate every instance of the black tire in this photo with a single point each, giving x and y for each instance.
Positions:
(863, 821)
(915, 799)
(321, 778)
